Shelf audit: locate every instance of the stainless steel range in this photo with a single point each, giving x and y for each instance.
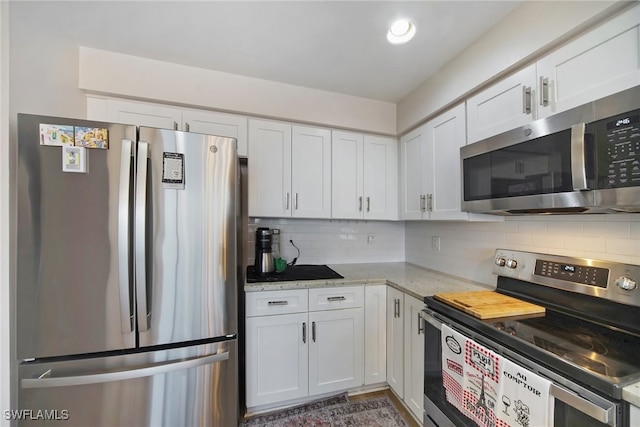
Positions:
(587, 343)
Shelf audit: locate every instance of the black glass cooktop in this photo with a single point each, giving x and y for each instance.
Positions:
(294, 272)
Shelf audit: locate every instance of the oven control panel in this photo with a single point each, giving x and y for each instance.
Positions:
(582, 274)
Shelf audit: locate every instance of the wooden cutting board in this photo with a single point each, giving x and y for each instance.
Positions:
(488, 304)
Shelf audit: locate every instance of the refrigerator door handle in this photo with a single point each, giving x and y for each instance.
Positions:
(124, 255)
(46, 381)
(140, 237)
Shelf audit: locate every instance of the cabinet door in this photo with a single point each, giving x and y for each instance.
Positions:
(395, 340)
(411, 177)
(503, 106)
(446, 134)
(347, 198)
(380, 178)
(143, 114)
(311, 172)
(604, 61)
(375, 334)
(277, 354)
(413, 356)
(220, 124)
(269, 169)
(336, 350)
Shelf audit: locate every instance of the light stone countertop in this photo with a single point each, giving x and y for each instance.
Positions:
(416, 281)
(631, 394)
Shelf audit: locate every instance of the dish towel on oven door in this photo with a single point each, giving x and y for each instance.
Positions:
(490, 390)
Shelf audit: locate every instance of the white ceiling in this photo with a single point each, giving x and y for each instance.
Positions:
(338, 46)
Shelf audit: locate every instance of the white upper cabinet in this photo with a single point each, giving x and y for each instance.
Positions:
(503, 106)
(220, 124)
(311, 172)
(269, 168)
(430, 186)
(599, 63)
(364, 176)
(604, 61)
(166, 117)
(289, 170)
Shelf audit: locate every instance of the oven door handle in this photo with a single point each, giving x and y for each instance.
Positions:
(604, 415)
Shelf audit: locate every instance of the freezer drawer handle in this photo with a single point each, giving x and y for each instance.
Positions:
(47, 381)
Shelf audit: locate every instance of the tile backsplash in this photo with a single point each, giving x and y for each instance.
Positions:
(333, 241)
(467, 248)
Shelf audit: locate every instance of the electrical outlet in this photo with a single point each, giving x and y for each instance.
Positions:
(371, 239)
(435, 243)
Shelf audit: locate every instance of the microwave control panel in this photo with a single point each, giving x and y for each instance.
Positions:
(618, 150)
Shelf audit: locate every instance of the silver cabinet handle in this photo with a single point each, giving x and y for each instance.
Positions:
(396, 307)
(422, 203)
(604, 415)
(429, 202)
(578, 165)
(140, 238)
(124, 255)
(304, 332)
(360, 204)
(420, 327)
(313, 331)
(175, 125)
(286, 206)
(368, 204)
(296, 201)
(271, 303)
(544, 91)
(340, 298)
(186, 126)
(526, 99)
(45, 381)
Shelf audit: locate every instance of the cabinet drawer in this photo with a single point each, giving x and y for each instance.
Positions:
(336, 298)
(276, 302)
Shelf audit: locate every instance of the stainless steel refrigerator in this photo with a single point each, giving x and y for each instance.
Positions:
(126, 298)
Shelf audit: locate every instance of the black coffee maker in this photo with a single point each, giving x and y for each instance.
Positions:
(264, 251)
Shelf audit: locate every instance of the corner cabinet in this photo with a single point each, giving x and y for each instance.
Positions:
(289, 170)
(599, 63)
(364, 176)
(430, 177)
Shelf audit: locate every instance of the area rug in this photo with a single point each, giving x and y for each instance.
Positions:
(335, 411)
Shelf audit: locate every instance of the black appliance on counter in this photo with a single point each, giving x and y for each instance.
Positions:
(263, 263)
(292, 273)
(587, 343)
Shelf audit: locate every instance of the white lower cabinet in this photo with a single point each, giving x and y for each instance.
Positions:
(413, 356)
(375, 334)
(318, 349)
(405, 349)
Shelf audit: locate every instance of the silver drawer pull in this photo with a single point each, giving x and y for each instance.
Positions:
(278, 302)
(340, 298)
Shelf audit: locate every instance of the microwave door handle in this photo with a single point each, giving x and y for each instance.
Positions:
(604, 415)
(578, 164)
(124, 253)
(140, 236)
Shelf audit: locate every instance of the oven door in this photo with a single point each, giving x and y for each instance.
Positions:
(573, 405)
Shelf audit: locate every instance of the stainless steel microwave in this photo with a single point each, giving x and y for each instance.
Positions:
(584, 160)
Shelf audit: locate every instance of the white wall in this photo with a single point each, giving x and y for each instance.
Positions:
(467, 249)
(532, 27)
(6, 381)
(334, 241)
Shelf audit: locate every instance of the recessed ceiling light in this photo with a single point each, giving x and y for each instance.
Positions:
(401, 31)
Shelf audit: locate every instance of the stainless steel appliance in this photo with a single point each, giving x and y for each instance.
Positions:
(264, 252)
(585, 160)
(586, 344)
(126, 299)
